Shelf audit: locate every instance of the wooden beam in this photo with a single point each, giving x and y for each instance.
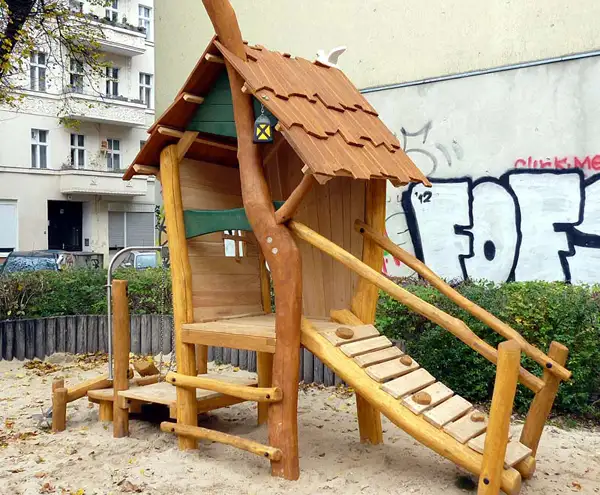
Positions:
(496, 439)
(145, 169)
(542, 402)
(455, 326)
(415, 425)
(198, 100)
(181, 273)
(200, 433)
(278, 246)
(214, 58)
(167, 131)
(549, 364)
(364, 301)
(185, 142)
(81, 389)
(291, 204)
(255, 394)
(121, 348)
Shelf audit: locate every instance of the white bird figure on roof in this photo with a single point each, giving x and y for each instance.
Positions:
(332, 57)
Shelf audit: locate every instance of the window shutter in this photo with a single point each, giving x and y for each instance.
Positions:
(8, 226)
(140, 229)
(116, 229)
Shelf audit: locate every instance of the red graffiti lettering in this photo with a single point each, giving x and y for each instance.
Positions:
(589, 163)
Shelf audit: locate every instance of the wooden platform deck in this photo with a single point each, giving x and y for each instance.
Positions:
(252, 333)
(166, 394)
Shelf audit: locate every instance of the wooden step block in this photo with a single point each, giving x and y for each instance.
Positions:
(515, 451)
(377, 357)
(438, 392)
(465, 428)
(408, 384)
(384, 372)
(360, 332)
(447, 411)
(364, 346)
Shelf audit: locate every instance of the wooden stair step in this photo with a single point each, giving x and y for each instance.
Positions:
(438, 393)
(388, 370)
(464, 429)
(377, 357)
(364, 346)
(448, 411)
(408, 384)
(515, 450)
(360, 332)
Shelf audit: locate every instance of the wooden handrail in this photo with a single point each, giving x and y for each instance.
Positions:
(477, 311)
(272, 394)
(455, 326)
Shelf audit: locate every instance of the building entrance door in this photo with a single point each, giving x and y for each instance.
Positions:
(65, 223)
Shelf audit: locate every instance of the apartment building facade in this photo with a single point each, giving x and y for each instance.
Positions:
(66, 144)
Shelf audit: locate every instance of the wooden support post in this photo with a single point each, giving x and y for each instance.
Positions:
(542, 403)
(496, 440)
(264, 360)
(456, 327)
(185, 142)
(478, 312)
(59, 406)
(121, 338)
(105, 413)
(291, 204)
(364, 302)
(278, 246)
(181, 273)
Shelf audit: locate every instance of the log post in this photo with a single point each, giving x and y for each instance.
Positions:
(264, 360)
(542, 402)
(181, 274)
(364, 302)
(278, 246)
(105, 413)
(121, 337)
(59, 406)
(496, 440)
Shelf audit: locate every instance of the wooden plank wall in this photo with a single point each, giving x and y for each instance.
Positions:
(330, 210)
(221, 286)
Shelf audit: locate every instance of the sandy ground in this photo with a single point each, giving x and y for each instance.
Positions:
(87, 460)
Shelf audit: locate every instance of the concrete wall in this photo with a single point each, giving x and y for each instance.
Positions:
(388, 41)
(515, 160)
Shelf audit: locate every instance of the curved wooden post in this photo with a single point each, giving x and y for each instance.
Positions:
(121, 339)
(183, 311)
(364, 302)
(278, 246)
(496, 439)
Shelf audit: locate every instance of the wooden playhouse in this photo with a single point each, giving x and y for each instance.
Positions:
(287, 160)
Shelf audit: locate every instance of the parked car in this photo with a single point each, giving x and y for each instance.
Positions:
(31, 261)
(140, 260)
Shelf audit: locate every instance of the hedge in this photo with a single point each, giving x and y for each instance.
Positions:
(540, 311)
(81, 291)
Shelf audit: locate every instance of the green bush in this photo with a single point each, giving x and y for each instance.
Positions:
(80, 291)
(540, 311)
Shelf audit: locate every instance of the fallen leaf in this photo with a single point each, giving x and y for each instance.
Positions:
(576, 485)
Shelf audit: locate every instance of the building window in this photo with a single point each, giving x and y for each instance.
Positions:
(112, 11)
(130, 229)
(112, 81)
(76, 6)
(144, 15)
(9, 231)
(146, 89)
(78, 150)
(142, 144)
(39, 148)
(113, 154)
(37, 71)
(76, 76)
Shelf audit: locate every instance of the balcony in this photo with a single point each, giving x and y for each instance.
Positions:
(121, 38)
(101, 183)
(104, 110)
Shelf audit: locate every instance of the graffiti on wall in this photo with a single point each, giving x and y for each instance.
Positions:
(590, 164)
(524, 225)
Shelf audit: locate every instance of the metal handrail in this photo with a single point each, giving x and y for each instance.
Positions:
(109, 296)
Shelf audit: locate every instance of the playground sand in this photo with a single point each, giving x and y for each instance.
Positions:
(87, 460)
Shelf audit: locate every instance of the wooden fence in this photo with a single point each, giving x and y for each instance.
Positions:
(150, 334)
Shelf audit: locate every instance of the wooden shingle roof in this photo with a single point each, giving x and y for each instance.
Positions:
(328, 123)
